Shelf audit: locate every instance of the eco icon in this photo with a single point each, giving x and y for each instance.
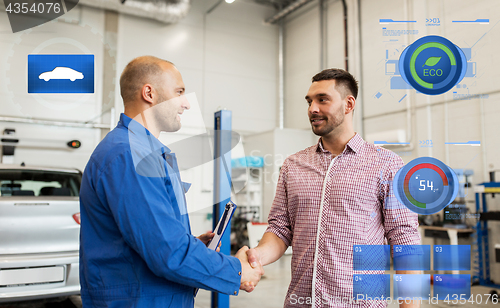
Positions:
(432, 61)
(432, 65)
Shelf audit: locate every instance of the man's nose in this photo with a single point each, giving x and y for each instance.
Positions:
(185, 102)
(313, 107)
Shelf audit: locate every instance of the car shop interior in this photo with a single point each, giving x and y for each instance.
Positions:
(344, 153)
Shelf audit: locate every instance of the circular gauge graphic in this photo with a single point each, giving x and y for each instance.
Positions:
(425, 185)
(432, 65)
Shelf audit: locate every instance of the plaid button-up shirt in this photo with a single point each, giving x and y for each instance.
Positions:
(325, 205)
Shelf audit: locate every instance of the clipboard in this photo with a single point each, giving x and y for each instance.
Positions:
(222, 225)
(221, 228)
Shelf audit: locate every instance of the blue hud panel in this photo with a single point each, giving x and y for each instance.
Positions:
(412, 257)
(415, 287)
(371, 257)
(450, 287)
(397, 82)
(60, 73)
(452, 257)
(392, 67)
(371, 287)
(471, 69)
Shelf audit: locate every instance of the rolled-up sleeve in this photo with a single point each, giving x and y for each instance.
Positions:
(279, 218)
(401, 224)
(146, 218)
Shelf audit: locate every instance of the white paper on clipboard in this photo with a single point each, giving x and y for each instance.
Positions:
(222, 225)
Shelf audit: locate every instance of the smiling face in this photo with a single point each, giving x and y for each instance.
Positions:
(326, 107)
(170, 102)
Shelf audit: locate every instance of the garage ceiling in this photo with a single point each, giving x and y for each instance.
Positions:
(277, 4)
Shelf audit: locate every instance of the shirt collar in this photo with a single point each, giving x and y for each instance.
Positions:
(141, 136)
(354, 144)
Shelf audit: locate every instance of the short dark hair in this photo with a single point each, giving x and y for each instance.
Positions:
(345, 83)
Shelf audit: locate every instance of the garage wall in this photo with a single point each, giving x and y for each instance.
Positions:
(301, 62)
(439, 118)
(228, 58)
(79, 32)
(303, 49)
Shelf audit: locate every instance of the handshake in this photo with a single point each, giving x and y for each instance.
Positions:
(251, 268)
(251, 264)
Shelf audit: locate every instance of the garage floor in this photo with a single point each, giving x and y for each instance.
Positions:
(270, 293)
(72, 302)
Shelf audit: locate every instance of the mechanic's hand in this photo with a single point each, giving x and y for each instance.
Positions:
(250, 277)
(207, 237)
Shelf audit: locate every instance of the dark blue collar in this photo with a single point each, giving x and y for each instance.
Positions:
(140, 137)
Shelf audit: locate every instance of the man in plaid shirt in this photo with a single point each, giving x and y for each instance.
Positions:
(331, 196)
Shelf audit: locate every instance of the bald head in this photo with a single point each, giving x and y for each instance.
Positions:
(140, 71)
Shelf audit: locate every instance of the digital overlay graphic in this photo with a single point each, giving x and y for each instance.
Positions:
(432, 65)
(60, 73)
(425, 185)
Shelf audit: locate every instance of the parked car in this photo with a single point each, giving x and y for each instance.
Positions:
(39, 232)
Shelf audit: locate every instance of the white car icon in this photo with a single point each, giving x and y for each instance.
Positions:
(61, 73)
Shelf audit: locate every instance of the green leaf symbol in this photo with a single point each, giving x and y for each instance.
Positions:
(432, 61)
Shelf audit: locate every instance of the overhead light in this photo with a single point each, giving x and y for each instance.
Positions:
(229, 1)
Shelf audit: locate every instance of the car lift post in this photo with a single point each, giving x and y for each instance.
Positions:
(222, 186)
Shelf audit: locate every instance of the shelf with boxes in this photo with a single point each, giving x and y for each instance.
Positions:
(247, 178)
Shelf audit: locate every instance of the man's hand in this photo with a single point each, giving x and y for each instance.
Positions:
(207, 237)
(250, 277)
(255, 259)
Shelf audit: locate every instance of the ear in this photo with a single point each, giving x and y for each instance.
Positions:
(147, 93)
(350, 104)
